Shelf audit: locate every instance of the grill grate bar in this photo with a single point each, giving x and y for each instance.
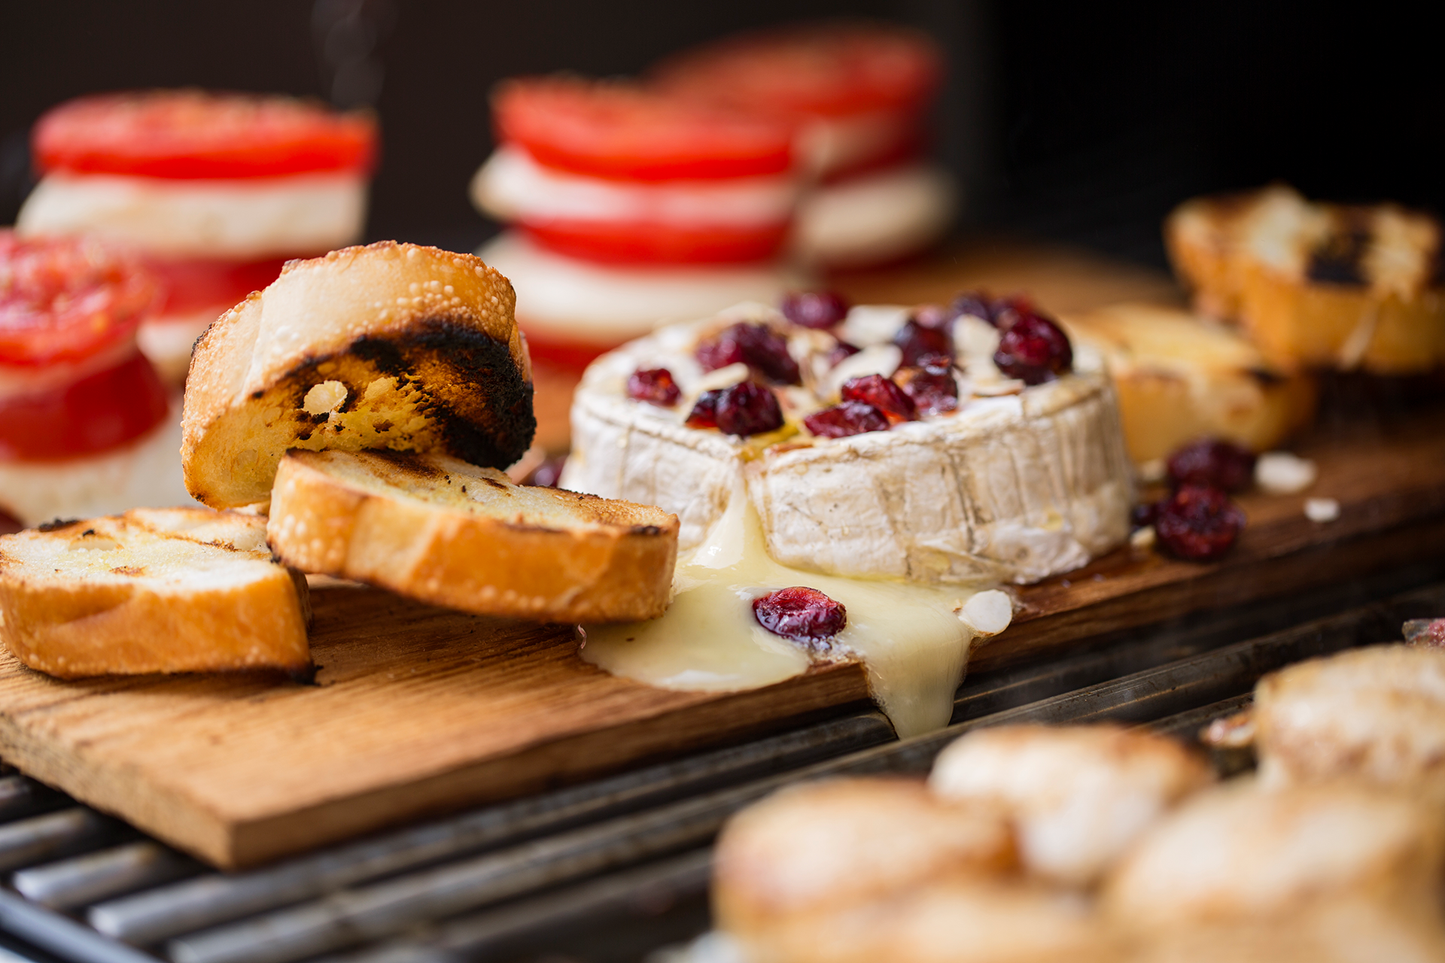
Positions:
(385, 909)
(94, 876)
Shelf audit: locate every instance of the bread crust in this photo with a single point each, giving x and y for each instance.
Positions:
(389, 346)
(137, 593)
(409, 524)
(1180, 377)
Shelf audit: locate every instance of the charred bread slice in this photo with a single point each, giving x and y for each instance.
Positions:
(440, 530)
(153, 590)
(389, 346)
(1180, 377)
(1316, 284)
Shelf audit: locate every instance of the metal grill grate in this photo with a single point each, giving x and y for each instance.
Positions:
(612, 868)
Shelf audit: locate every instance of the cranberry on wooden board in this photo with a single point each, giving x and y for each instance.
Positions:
(1211, 461)
(814, 309)
(1198, 523)
(882, 394)
(931, 388)
(922, 344)
(755, 345)
(1034, 350)
(654, 386)
(800, 613)
(847, 418)
(744, 409)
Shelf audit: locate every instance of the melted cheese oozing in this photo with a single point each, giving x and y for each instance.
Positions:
(913, 639)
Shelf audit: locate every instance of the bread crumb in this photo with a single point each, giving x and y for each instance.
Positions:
(1143, 538)
(1322, 509)
(1281, 473)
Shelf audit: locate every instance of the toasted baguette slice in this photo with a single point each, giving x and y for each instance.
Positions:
(1315, 284)
(446, 532)
(387, 346)
(1180, 377)
(153, 590)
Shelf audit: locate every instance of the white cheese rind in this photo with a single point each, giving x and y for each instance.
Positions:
(1014, 488)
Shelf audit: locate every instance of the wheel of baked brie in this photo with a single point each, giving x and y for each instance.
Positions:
(973, 475)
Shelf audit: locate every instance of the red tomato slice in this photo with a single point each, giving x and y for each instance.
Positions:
(66, 299)
(571, 355)
(97, 413)
(185, 134)
(620, 242)
(628, 132)
(191, 286)
(811, 70)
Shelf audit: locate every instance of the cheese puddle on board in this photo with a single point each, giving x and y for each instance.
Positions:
(913, 639)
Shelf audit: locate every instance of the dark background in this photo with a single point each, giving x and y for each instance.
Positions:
(1074, 122)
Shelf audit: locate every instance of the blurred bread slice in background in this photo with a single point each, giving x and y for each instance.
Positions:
(1180, 377)
(1315, 284)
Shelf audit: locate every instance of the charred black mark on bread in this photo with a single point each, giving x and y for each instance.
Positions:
(1339, 259)
(1266, 378)
(56, 524)
(495, 484)
(492, 427)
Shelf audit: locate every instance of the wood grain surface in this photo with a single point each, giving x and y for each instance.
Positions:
(417, 710)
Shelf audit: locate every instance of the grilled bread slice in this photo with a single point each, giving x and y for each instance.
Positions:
(1180, 377)
(153, 590)
(1315, 284)
(440, 530)
(389, 346)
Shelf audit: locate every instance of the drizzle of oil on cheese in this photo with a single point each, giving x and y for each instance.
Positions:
(913, 639)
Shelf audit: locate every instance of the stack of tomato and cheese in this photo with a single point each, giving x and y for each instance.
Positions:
(726, 176)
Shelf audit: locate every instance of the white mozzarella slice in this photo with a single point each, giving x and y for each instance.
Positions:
(875, 218)
(569, 300)
(1014, 488)
(511, 186)
(240, 219)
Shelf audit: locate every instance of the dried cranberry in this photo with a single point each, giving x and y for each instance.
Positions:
(848, 418)
(1210, 461)
(755, 345)
(882, 394)
(931, 388)
(800, 613)
(1198, 523)
(1425, 633)
(814, 309)
(654, 386)
(1034, 350)
(923, 344)
(747, 408)
(975, 304)
(840, 351)
(704, 412)
(999, 312)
